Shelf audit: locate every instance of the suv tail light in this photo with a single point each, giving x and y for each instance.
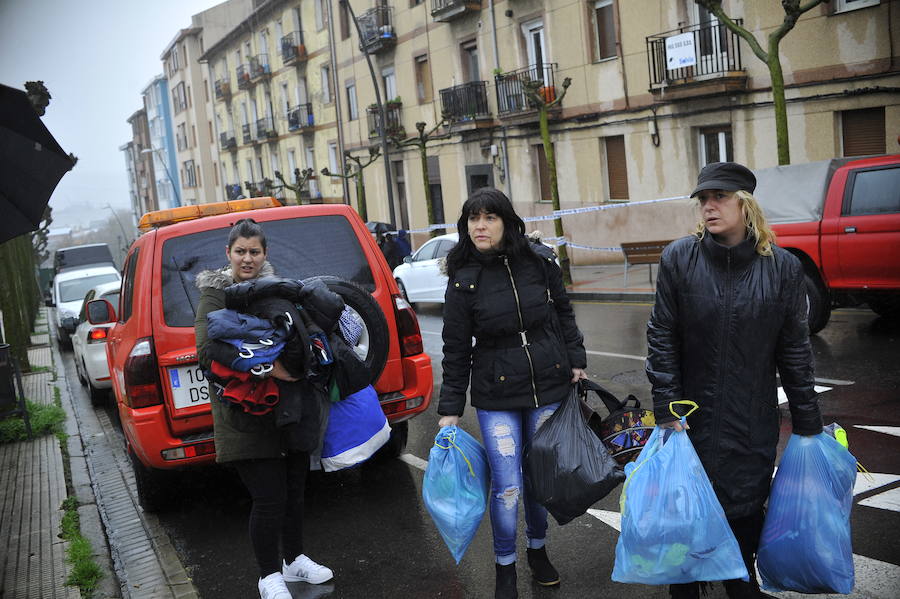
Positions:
(97, 335)
(408, 328)
(142, 387)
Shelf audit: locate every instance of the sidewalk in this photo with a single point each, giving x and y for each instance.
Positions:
(606, 282)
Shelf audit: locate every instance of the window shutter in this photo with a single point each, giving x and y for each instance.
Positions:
(863, 131)
(616, 167)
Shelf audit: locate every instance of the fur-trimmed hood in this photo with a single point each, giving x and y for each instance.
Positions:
(222, 278)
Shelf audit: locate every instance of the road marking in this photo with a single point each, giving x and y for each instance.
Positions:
(614, 355)
(833, 381)
(872, 480)
(612, 519)
(414, 461)
(889, 500)
(874, 579)
(782, 396)
(424, 332)
(887, 430)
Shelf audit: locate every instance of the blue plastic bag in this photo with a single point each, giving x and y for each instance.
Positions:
(456, 487)
(805, 544)
(673, 528)
(357, 428)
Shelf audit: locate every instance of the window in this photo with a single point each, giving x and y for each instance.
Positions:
(715, 145)
(292, 165)
(543, 172)
(311, 163)
(434, 185)
(344, 20)
(469, 55)
(390, 83)
(847, 5)
(605, 29)
(325, 73)
(190, 178)
(616, 168)
(173, 62)
(179, 98)
(333, 166)
(352, 108)
(128, 286)
(400, 182)
(206, 90)
(873, 192)
(320, 15)
(181, 137)
(423, 79)
(862, 131)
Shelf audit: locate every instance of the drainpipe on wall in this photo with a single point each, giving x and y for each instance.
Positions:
(337, 105)
(503, 145)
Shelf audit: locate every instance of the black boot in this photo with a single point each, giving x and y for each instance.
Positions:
(506, 582)
(541, 568)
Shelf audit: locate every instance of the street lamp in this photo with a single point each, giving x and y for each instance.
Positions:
(166, 168)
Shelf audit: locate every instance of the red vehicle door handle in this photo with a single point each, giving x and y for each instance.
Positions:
(849, 229)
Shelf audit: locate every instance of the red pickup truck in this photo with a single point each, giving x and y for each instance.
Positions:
(841, 217)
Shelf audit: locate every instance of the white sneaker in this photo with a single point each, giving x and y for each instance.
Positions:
(273, 587)
(304, 569)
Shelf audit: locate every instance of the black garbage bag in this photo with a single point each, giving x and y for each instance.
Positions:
(567, 468)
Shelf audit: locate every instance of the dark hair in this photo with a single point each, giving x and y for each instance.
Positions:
(246, 228)
(489, 201)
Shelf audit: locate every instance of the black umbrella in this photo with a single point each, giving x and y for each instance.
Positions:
(31, 164)
(379, 227)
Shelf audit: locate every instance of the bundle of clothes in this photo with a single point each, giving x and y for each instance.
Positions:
(308, 329)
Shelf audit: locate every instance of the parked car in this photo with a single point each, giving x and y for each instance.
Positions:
(82, 256)
(89, 343)
(162, 393)
(841, 218)
(421, 278)
(68, 291)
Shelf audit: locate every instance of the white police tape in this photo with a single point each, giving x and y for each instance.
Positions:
(584, 209)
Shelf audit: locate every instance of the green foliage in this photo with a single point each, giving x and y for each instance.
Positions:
(85, 572)
(44, 420)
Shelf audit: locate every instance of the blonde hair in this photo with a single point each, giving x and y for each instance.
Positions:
(754, 220)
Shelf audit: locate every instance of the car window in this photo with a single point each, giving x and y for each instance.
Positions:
(70, 291)
(128, 286)
(426, 252)
(444, 248)
(112, 298)
(875, 192)
(87, 298)
(297, 248)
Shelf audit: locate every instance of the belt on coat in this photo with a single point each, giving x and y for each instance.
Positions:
(520, 339)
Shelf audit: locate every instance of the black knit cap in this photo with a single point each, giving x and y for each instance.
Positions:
(727, 176)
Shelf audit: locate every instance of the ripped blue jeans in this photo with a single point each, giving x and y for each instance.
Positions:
(505, 433)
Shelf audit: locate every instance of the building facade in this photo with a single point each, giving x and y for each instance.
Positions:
(145, 187)
(162, 143)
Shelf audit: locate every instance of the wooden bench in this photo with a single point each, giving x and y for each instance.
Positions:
(643, 252)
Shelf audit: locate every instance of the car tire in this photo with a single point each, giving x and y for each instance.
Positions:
(886, 306)
(98, 396)
(153, 486)
(397, 442)
(81, 377)
(375, 343)
(818, 305)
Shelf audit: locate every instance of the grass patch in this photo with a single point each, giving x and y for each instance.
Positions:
(38, 369)
(44, 420)
(85, 572)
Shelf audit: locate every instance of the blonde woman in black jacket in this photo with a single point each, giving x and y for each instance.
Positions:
(501, 291)
(731, 310)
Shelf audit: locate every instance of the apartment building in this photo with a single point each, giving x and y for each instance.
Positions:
(161, 146)
(191, 98)
(275, 107)
(142, 164)
(629, 128)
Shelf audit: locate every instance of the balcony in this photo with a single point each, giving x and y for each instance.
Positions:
(265, 128)
(300, 117)
(511, 98)
(259, 67)
(716, 68)
(466, 103)
(447, 10)
(394, 124)
(243, 76)
(223, 89)
(293, 51)
(377, 28)
(227, 140)
(246, 136)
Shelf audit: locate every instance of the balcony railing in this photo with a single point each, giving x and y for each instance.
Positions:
(232, 191)
(227, 140)
(246, 136)
(223, 89)
(465, 102)
(293, 49)
(377, 26)
(717, 52)
(243, 76)
(394, 124)
(265, 128)
(447, 10)
(300, 116)
(511, 97)
(259, 66)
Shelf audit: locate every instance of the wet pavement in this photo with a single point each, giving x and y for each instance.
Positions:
(370, 525)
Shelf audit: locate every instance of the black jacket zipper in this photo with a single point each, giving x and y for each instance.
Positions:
(522, 330)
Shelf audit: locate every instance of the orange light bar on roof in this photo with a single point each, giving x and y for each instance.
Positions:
(161, 218)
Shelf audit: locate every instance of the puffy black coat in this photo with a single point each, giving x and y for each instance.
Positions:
(481, 302)
(724, 320)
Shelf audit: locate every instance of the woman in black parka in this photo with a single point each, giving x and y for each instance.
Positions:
(731, 309)
(501, 291)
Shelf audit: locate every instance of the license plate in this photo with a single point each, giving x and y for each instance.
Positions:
(189, 386)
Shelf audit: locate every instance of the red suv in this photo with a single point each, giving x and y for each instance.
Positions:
(160, 390)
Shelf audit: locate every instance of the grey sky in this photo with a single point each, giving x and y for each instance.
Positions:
(95, 57)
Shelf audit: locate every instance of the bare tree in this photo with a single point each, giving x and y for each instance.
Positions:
(300, 180)
(356, 173)
(771, 57)
(420, 141)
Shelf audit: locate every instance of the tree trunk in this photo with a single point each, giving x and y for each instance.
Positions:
(429, 207)
(781, 124)
(554, 193)
(361, 197)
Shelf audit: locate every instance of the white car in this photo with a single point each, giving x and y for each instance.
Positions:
(89, 343)
(419, 277)
(69, 288)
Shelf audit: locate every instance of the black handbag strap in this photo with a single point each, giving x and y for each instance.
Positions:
(612, 403)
